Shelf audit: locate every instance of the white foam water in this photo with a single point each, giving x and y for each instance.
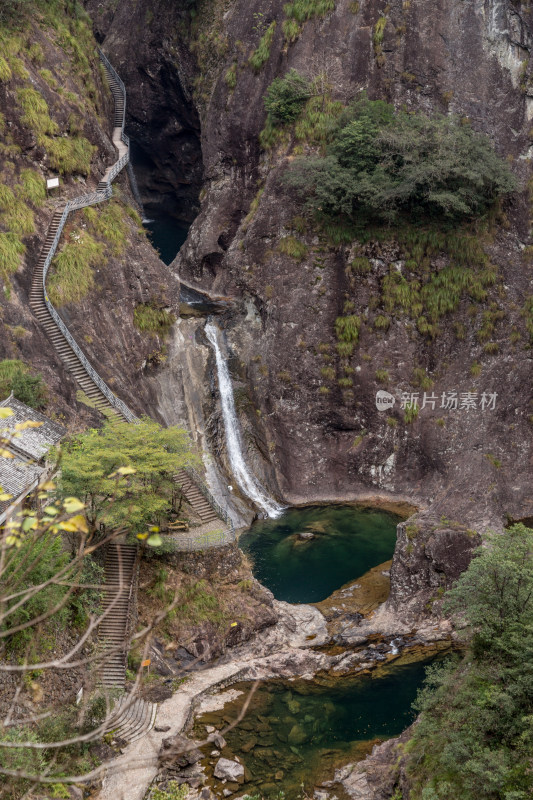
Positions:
(247, 482)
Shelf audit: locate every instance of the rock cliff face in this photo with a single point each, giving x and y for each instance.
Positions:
(78, 104)
(470, 59)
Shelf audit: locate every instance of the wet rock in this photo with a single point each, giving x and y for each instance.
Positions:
(161, 728)
(297, 735)
(229, 770)
(306, 536)
(249, 745)
(179, 751)
(217, 739)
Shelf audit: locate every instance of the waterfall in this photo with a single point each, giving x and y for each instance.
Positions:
(244, 478)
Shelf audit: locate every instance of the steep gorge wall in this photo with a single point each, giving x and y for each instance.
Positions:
(464, 469)
(44, 63)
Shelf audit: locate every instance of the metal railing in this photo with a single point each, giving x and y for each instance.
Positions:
(217, 508)
(210, 539)
(83, 201)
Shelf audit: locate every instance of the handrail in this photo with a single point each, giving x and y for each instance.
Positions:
(221, 512)
(107, 64)
(82, 202)
(92, 198)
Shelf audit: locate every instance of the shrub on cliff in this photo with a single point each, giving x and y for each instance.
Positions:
(285, 97)
(15, 377)
(474, 740)
(381, 164)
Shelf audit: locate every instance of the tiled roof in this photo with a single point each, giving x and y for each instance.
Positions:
(33, 443)
(15, 477)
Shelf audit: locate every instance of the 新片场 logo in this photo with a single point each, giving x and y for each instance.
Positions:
(384, 400)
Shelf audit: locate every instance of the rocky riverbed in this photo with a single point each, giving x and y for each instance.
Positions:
(299, 646)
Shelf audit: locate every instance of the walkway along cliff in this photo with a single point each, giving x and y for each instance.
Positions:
(63, 341)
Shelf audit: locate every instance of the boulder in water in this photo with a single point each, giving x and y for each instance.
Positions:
(229, 770)
(297, 735)
(217, 739)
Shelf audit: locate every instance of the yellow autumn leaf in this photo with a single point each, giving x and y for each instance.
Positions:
(52, 511)
(13, 541)
(142, 536)
(72, 504)
(80, 522)
(68, 526)
(122, 471)
(4, 496)
(22, 426)
(5, 453)
(5, 413)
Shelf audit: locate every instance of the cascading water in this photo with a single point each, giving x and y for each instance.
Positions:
(244, 478)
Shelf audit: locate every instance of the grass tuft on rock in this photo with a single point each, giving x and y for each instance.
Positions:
(72, 275)
(152, 318)
(262, 52)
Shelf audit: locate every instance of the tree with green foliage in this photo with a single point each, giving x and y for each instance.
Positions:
(15, 376)
(149, 455)
(285, 96)
(474, 740)
(381, 164)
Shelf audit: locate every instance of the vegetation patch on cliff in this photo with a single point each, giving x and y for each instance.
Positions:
(299, 11)
(153, 318)
(381, 164)
(16, 378)
(474, 739)
(88, 246)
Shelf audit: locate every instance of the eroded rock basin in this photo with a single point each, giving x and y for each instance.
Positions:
(298, 733)
(308, 553)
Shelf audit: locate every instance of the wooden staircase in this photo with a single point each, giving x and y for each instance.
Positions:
(195, 498)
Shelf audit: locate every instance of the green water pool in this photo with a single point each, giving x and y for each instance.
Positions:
(348, 541)
(298, 732)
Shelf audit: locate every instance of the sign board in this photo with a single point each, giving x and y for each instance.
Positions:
(52, 183)
(146, 663)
